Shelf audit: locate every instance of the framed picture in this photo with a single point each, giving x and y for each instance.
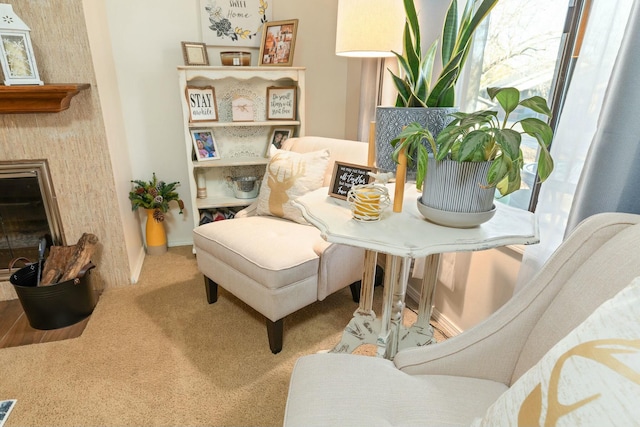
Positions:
(202, 104)
(233, 23)
(281, 103)
(195, 53)
(16, 56)
(345, 176)
(279, 135)
(241, 109)
(278, 43)
(204, 144)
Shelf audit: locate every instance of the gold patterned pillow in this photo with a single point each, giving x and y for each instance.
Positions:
(288, 176)
(590, 378)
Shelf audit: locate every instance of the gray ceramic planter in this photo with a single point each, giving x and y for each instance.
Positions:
(455, 194)
(391, 120)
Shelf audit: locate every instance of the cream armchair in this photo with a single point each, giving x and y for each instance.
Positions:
(545, 356)
(276, 265)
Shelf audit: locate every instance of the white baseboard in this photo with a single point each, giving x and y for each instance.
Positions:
(136, 268)
(449, 328)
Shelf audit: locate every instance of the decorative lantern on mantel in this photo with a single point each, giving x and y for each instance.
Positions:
(16, 53)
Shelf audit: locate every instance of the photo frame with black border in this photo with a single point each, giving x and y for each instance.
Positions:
(346, 175)
(195, 53)
(204, 145)
(278, 43)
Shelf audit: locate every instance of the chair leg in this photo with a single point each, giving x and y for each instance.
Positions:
(212, 290)
(275, 331)
(355, 290)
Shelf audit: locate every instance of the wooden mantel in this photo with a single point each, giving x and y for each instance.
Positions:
(49, 98)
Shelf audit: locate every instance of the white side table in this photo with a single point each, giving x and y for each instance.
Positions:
(403, 236)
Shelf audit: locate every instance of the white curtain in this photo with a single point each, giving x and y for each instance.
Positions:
(582, 119)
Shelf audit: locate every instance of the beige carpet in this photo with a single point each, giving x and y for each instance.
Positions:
(157, 354)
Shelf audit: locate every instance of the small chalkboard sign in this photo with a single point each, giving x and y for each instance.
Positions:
(345, 176)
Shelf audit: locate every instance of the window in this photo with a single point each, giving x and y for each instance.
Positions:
(521, 44)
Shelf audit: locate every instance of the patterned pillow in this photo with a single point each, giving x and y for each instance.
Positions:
(591, 377)
(288, 176)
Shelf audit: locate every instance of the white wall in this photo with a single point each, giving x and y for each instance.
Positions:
(102, 56)
(145, 38)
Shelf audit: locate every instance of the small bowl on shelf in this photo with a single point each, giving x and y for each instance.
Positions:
(237, 59)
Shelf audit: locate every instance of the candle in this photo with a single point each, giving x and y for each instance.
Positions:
(367, 204)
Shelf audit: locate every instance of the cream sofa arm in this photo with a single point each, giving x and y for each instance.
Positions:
(494, 349)
(489, 350)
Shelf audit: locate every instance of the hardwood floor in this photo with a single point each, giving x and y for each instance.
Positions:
(15, 329)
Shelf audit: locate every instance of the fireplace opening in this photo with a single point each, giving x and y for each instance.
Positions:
(28, 211)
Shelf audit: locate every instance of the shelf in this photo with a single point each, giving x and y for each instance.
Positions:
(222, 202)
(244, 146)
(38, 99)
(245, 124)
(238, 161)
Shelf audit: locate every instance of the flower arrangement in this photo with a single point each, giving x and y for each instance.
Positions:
(155, 195)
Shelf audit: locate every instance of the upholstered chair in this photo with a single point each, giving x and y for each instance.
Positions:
(268, 256)
(564, 350)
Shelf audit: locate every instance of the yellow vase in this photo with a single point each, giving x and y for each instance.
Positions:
(156, 236)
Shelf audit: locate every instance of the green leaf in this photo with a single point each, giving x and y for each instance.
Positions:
(412, 20)
(508, 98)
(498, 170)
(437, 96)
(538, 129)
(537, 104)
(509, 142)
(449, 32)
(545, 164)
(472, 146)
(423, 156)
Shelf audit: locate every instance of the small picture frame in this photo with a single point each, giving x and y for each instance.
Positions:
(279, 135)
(204, 145)
(281, 102)
(241, 109)
(345, 176)
(17, 59)
(195, 53)
(278, 43)
(202, 104)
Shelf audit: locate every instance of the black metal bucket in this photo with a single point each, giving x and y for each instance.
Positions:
(58, 305)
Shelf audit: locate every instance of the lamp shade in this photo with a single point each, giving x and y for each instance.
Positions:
(369, 28)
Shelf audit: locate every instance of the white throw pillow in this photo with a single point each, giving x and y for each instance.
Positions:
(288, 176)
(590, 378)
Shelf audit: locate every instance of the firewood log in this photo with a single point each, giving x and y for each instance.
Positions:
(81, 256)
(65, 262)
(56, 264)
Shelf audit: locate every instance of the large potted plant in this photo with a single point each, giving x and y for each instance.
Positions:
(154, 197)
(418, 100)
(476, 154)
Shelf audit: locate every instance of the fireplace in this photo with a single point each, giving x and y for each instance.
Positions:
(28, 211)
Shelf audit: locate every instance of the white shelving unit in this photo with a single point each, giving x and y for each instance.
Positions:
(243, 146)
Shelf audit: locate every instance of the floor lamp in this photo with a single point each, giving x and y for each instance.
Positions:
(370, 29)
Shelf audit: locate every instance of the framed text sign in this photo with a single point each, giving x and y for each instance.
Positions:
(345, 176)
(233, 22)
(202, 104)
(281, 103)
